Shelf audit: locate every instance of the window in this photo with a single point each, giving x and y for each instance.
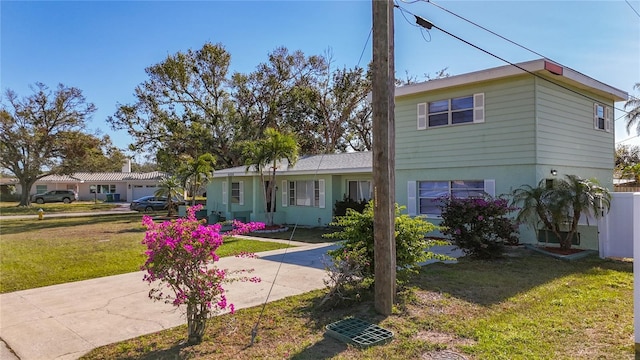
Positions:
(359, 190)
(304, 193)
(41, 188)
(430, 193)
(601, 117)
(461, 110)
(103, 189)
(237, 192)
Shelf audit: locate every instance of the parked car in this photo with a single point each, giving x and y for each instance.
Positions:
(65, 196)
(154, 203)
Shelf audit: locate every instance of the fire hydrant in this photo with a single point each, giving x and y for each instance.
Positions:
(40, 214)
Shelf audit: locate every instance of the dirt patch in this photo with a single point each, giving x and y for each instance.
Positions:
(440, 338)
(557, 250)
(442, 355)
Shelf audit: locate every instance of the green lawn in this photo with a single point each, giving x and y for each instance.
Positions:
(57, 250)
(12, 208)
(528, 306)
(303, 234)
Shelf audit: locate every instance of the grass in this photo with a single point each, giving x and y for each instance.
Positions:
(528, 306)
(12, 208)
(303, 234)
(59, 250)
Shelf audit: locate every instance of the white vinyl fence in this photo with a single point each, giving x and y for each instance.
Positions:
(619, 230)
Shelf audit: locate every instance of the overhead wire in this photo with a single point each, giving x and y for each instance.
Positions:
(254, 330)
(365, 46)
(420, 19)
(632, 8)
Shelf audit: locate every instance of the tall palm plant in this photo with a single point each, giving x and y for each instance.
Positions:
(633, 117)
(264, 155)
(172, 188)
(193, 173)
(559, 207)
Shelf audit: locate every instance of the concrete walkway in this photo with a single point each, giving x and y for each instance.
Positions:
(68, 320)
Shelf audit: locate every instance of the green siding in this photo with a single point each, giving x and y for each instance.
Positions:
(565, 130)
(505, 138)
(335, 188)
(531, 127)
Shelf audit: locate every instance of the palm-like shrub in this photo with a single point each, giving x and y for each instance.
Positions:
(558, 208)
(172, 188)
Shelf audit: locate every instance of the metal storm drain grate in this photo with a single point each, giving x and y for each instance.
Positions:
(358, 332)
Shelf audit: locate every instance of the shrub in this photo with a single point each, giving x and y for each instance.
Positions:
(340, 207)
(353, 260)
(479, 226)
(180, 257)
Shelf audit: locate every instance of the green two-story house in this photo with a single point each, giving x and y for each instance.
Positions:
(494, 130)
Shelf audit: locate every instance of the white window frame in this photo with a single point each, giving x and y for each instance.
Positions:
(237, 192)
(477, 111)
(414, 195)
(100, 189)
(359, 190)
(602, 123)
(306, 193)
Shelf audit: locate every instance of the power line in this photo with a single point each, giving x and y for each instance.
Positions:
(487, 30)
(634, 10)
(365, 46)
(627, 139)
(428, 25)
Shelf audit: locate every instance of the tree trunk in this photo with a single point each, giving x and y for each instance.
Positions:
(196, 322)
(25, 198)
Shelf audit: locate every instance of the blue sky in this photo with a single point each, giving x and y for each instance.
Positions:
(103, 47)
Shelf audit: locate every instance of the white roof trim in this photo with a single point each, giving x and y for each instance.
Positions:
(569, 76)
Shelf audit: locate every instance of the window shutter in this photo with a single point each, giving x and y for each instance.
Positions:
(608, 112)
(478, 108)
(241, 185)
(285, 194)
(411, 198)
(595, 116)
(422, 116)
(321, 201)
(490, 186)
(224, 193)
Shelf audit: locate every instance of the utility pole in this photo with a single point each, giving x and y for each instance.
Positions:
(383, 91)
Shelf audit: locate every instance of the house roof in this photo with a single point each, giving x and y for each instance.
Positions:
(556, 73)
(104, 176)
(353, 162)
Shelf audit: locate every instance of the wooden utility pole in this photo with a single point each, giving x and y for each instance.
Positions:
(384, 156)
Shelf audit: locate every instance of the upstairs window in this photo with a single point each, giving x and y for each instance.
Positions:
(602, 117)
(461, 110)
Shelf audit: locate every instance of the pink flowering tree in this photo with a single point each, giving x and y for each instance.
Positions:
(180, 267)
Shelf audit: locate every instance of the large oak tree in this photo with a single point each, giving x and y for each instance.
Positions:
(183, 108)
(44, 133)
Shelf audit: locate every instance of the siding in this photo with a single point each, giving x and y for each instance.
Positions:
(505, 138)
(565, 130)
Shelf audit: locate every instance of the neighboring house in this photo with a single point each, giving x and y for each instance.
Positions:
(496, 129)
(119, 186)
(306, 192)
